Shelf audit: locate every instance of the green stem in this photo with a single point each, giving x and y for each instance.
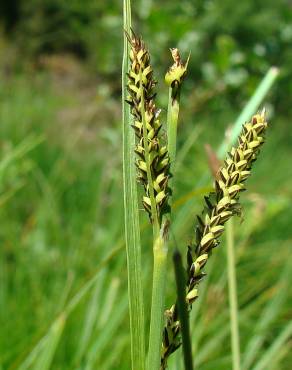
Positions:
(160, 249)
(157, 307)
(233, 306)
(172, 121)
(132, 226)
(182, 310)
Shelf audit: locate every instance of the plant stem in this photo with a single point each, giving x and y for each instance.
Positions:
(182, 310)
(157, 307)
(132, 226)
(232, 289)
(172, 121)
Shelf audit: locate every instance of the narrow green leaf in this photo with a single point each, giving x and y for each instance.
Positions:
(75, 300)
(90, 319)
(46, 357)
(132, 226)
(106, 336)
(41, 357)
(266, 318)
(275, 348)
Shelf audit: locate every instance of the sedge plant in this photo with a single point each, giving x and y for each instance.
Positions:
(149, 160)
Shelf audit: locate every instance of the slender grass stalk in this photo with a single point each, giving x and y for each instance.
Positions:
(132, 227)
(182, 310)
(173, 78)
(232, 290)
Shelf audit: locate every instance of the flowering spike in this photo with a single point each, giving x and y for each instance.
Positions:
(227, 188)
(141, 75)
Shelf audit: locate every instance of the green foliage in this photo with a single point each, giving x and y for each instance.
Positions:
(232, 45)
(61, 210)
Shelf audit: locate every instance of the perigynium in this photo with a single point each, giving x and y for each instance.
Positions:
(220, 206)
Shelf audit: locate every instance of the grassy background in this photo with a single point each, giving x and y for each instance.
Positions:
(61, 210)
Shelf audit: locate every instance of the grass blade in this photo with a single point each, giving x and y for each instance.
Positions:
(132, 227)
(75, 300)
(43, 354)
(90, 320)
(267, 317)
(46, 358)
(277, 345)
(94, 352)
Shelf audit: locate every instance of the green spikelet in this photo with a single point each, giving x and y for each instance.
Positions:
(141, 75)
(220, 205)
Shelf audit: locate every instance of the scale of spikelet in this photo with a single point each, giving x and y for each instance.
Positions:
(141, 74)
(220, 205)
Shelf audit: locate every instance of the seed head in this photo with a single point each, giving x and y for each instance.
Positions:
(220, 206)
(140, 78)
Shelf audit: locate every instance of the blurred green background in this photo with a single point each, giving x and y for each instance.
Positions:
(63, 281)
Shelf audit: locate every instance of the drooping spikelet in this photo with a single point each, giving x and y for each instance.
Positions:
(141, 81)
(220, 205)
